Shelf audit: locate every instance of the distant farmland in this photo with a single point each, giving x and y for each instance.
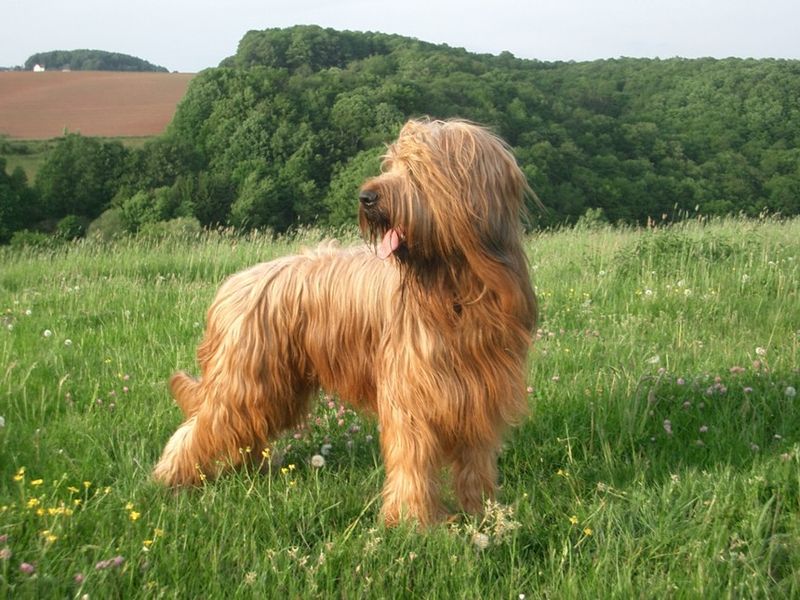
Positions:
(37, 106)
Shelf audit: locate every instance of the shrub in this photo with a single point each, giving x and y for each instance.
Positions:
(108, 226)
(71, 227)
(32, 239)
(182, 228)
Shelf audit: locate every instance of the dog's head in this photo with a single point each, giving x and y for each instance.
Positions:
(448, 190)
(447, 206)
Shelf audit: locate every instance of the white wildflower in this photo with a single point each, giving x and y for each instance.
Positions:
(47, 333)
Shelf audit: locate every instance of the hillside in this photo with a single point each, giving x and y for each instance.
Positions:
(309, 109)
(90, 60)
(283, 132)
(44, 105)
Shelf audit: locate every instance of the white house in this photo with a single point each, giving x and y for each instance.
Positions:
(38, 69)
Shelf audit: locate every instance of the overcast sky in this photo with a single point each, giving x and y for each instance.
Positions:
(190, 35)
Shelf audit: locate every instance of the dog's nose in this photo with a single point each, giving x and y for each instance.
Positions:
(368, 198)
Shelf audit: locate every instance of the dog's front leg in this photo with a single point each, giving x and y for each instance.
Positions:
(412, 457)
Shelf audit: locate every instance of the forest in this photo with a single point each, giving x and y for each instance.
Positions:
(281, 134)
(89, 60)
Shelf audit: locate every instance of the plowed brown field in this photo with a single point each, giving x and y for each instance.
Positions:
(43, 105)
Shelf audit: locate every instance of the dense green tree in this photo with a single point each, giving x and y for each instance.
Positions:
(18, 208)
(80, 176)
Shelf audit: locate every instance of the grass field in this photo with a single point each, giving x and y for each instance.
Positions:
(661, 458)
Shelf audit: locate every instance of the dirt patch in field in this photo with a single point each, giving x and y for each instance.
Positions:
(44, 105)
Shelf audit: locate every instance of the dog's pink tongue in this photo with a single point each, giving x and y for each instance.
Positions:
(389, 243)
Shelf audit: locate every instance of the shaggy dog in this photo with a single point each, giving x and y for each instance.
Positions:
(429, 328)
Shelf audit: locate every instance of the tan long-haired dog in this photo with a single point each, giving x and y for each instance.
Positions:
(430, 332)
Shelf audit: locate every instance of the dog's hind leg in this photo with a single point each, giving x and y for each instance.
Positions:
(221, 434)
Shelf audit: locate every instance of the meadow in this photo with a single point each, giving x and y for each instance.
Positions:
(661, 458)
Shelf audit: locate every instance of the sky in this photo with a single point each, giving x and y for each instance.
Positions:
(190, 35)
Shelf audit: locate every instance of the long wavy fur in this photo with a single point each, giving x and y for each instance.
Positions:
(433, 336)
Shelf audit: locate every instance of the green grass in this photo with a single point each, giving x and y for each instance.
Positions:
(661, 458)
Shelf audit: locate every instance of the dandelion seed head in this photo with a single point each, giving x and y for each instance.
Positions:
(47, 333)
(480, 540)
(317, 461)
(790, 392)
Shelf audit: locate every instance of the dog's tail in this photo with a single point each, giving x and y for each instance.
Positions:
(186, 391)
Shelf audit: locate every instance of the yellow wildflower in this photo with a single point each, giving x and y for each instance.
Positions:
(158, 532)
(33, 502)
(37, 482)
(48, 536)
(86, 484)
(587, 531)
(72, 489)
(20, 474)
(573, 520)
(133, 515)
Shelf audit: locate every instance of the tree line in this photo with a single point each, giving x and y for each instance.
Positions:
(281, 135)
(89, 60)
